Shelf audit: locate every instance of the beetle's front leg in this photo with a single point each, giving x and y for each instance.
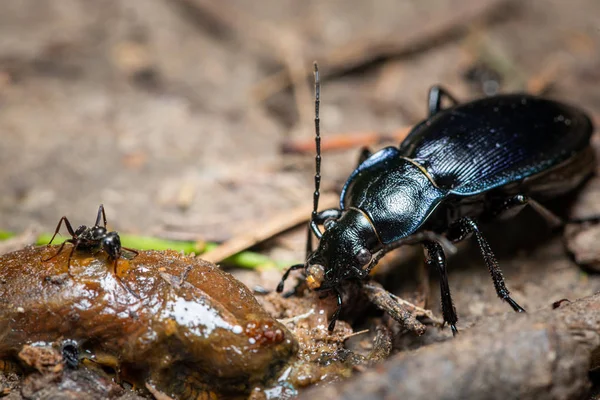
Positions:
(336, 313)
(463, 228)
(285, 276)
(313, 226)
(436, 258)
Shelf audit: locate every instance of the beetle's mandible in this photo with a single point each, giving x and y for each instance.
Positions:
(463, 165)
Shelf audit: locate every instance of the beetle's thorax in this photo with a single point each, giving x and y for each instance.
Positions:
(395, 193)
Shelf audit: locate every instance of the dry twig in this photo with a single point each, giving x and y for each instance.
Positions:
(266, 230)
(343, 141)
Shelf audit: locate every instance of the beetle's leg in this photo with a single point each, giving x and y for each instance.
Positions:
(360, 273)
(309, 243)
(464, 227)
(511, 206)
(313, 225)
(336, 313)
(436, 258)
(365, 153)
(67, 224)
(286, 274)
(436, 94)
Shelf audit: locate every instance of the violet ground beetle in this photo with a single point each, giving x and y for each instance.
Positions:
(464, 164)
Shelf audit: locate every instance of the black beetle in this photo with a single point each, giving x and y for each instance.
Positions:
(467, 163)
(93, 240)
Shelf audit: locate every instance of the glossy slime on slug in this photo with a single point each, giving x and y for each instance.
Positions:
(193, 329)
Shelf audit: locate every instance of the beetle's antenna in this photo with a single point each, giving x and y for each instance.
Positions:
(317, 143)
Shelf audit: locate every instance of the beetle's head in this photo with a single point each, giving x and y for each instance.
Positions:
(345, 251)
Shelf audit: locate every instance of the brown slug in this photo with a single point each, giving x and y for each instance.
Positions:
(186, 329)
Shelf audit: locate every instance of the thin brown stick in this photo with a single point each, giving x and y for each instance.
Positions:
(543, 81)
(537, 85)
(262, 231)
(342, 141)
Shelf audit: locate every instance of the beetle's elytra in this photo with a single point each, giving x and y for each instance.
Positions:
(463, 165)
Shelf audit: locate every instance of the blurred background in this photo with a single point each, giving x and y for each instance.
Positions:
(175, 113)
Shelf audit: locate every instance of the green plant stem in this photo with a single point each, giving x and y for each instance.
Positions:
(245, 259)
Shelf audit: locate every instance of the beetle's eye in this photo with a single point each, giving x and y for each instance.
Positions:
(329, 223)
(363, 256)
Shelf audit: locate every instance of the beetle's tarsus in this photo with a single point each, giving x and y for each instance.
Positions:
(336, 313)
(454, 330)
(285, 276)
(514, 305)
(437, 259)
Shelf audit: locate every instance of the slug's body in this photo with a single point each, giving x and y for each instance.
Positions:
(468, 163)
(192, 329)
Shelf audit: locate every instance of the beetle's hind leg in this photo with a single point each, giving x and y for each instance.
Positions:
(463, 228)
(512, 205)
(436, 258)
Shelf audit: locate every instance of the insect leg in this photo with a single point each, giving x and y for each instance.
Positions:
(464, 227)
(123, 285)
(511, 206)
(60, 249)
(135, 252)
(67, 224)
(336, 313)
(319, 219)
(286, 274)
(75, 244)
(364, 154)
(436, 94)
(436, 258)
(101, 214)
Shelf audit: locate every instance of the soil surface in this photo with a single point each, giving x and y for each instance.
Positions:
(173, 114)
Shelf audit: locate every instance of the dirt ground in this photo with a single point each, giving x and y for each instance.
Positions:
(173, 114)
